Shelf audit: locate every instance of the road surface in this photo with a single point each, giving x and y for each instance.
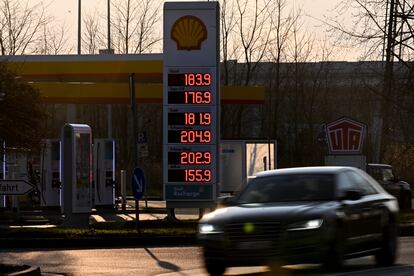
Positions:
(178, 261)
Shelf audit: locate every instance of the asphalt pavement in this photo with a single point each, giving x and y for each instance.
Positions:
(181, 261)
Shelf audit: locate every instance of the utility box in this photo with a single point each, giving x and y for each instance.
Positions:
(357, 161)
(104, 173)
(242, 159)
(50, 179)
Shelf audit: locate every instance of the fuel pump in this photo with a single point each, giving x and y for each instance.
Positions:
(50, 182)
(104, 173)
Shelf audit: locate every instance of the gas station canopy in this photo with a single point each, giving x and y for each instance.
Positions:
(105, 78)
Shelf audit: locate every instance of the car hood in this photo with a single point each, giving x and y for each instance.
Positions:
(281, 211)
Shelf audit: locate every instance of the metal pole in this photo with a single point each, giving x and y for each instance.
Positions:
(383, 134)
(79, 27)
(134, 136)
(123, 189)
(109, 106)
(109, 26)
(134, 118)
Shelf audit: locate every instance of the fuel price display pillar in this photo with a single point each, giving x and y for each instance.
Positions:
(191, 103)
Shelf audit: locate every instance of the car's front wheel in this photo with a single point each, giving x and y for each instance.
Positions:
(336, 253)
(387, 254)
(214, 268)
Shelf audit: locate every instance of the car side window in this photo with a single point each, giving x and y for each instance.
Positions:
(361, 183)
(344, 184)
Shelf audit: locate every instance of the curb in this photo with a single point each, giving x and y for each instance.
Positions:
(98, 242)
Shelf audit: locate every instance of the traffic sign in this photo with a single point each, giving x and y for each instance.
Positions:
(15, 187)
(138, 183)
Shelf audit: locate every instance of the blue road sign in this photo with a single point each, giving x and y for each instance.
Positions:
(138, 183)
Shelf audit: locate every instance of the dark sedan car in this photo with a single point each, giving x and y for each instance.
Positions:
(302, 215)
(384, 174)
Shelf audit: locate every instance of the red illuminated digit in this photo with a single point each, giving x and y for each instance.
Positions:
(207, 96)
(184, 136)
(207, 175)
(207, 157)
(189, 118)
(207, 136)
(189, 79)
(188, 96)
(199, 175)
(191, 158)
(183, 159)
(199, 98)
(198, 158)
(207, 79)
(199, 79)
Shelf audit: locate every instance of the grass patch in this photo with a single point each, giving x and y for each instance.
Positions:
(106, 229)
(406, 216)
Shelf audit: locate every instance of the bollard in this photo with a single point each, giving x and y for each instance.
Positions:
(123, 189)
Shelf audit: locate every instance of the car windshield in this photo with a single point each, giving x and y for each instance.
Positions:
(289, 187)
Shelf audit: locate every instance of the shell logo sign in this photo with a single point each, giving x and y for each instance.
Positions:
(189, 32)
(345, 136)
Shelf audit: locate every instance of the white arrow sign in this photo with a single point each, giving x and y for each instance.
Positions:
(15, 187)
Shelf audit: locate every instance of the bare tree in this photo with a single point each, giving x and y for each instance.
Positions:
(228, 23)
(282, 22)
(360, 24)
(134, 25)
(53, 40)
(20, 26)
(254, 34)
(92, 37)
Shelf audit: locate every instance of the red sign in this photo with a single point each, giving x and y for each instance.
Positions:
(345, 136)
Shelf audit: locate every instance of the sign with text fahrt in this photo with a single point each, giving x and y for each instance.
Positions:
(15, 187)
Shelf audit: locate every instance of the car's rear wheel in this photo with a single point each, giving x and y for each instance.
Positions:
(215, 268)
(388, 252)
(336, 253)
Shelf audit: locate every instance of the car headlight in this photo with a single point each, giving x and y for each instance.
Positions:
(208, 229)
(306, 225)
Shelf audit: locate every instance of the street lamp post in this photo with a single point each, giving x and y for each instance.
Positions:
(79, 27)
(109, 106)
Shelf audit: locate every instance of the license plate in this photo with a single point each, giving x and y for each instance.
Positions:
(254, 245)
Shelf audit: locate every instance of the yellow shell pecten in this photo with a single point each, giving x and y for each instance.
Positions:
(188, 32)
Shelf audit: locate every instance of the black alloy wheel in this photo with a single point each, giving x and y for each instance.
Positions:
(387, 254)
(335, 258)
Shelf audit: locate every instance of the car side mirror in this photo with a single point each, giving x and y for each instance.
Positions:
(353, 195)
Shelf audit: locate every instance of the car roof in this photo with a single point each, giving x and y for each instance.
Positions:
(305, 170)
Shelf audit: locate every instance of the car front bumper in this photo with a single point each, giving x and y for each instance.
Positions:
(292, 247)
